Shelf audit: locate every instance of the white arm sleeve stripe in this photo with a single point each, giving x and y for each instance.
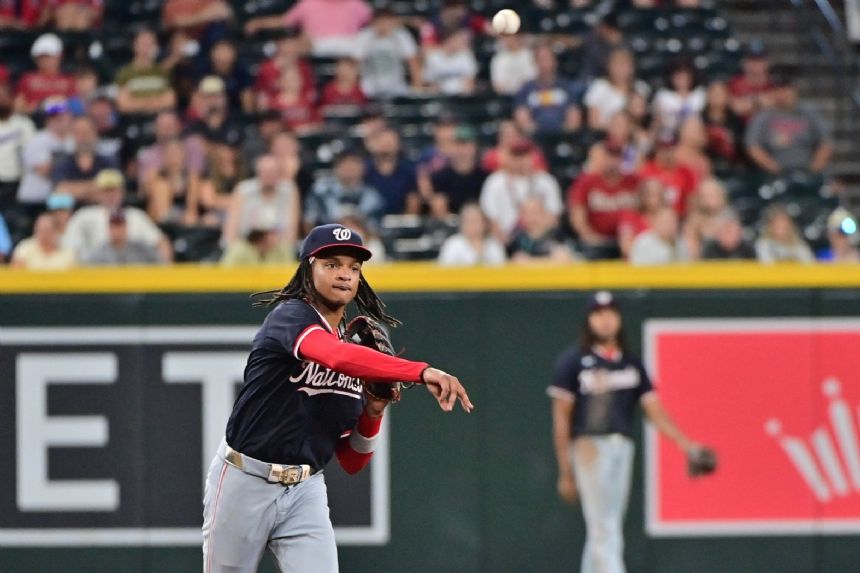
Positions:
(560, 393)
(362, 444)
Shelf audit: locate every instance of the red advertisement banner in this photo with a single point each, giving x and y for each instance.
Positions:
(780, 402)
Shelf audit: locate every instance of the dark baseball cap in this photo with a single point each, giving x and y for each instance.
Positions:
(334, 236)
(755, 49)
(600, 300)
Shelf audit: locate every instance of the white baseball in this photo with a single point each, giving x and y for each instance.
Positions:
(506, 22)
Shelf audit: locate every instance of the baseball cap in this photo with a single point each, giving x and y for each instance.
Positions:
(755, 49)
(333, 235)
(55, 106)
(109, 179)
(211, 85)
(60, 202)
(47, 45)
(600, 300)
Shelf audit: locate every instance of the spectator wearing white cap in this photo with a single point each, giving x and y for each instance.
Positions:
(38, 157)
(88, 228)
(144, 87)
(47, 80)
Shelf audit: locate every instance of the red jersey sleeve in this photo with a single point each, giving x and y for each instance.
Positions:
(578, 192)
(318, 345)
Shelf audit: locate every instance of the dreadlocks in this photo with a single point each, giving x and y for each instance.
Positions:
(301, 287)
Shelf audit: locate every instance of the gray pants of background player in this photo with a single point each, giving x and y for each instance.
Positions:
(244, 514)
(603, 467)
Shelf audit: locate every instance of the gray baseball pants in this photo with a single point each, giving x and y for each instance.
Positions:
(244, 514)
(603, 467)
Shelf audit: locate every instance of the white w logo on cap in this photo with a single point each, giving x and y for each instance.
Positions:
(342, 234)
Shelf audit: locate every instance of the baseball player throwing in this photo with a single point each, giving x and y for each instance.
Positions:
(301, 404)
(595, 391)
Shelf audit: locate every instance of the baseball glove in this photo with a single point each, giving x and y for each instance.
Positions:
(701, 461)
(365, 331)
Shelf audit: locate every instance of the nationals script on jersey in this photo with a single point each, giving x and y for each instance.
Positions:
(289, 410)
(315, 379)
(604, 390)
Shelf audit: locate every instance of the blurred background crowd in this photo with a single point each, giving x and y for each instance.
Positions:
(147, 132)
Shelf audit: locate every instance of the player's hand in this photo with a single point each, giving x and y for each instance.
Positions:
(374, 406)
(446, 389)
(566, 487)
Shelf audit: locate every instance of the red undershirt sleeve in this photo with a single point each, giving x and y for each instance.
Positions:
(321, 347)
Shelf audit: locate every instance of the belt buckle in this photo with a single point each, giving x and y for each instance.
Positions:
(291, 475)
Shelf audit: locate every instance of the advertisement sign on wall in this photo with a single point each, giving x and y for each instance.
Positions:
(780, 402)
(111, 430)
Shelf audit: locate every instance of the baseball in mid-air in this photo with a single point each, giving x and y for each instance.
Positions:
(506, 22)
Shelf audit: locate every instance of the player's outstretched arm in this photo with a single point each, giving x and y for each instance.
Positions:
(658, 416)
(446, 389)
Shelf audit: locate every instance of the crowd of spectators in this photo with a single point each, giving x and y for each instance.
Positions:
(226, 152)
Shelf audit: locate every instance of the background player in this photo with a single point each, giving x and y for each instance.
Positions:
(301, 404)
(595, 390)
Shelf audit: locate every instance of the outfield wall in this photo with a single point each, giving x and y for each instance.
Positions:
(749, 367)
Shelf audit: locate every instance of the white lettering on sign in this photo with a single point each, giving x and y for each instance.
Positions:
(36, 431)
(217, 373)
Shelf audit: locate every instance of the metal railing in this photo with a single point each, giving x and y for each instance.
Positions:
(833, 43)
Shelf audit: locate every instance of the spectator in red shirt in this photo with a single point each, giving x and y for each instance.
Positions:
(679, 180)
(297, 111)
(76, 15)
(288, 56)
(749, 89)
(651, 198)
(47, 81)
(454, 15)
(24, 14)
(344, 88)
(596, 201)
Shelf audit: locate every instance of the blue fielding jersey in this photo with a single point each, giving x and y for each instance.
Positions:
(291, 411)
(605, 391)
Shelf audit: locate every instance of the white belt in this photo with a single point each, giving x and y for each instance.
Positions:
(272, 473)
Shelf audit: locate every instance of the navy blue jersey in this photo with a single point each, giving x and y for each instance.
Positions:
(605, 392)
(291, 411)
